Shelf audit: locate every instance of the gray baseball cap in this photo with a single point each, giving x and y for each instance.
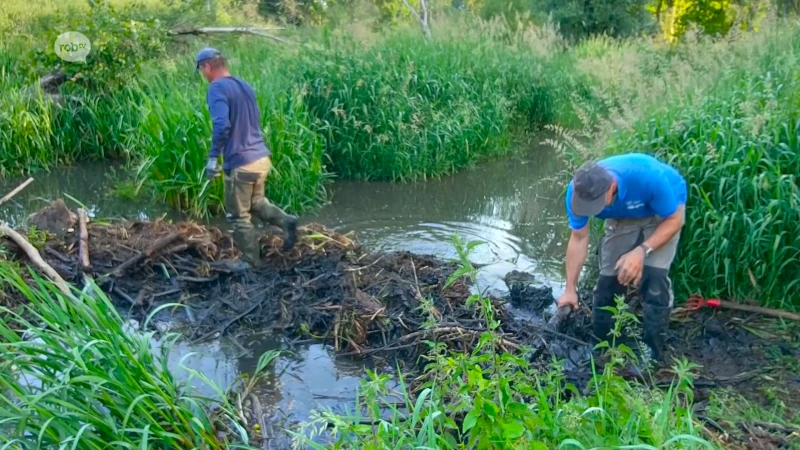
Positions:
(206, 54)
(589, 187)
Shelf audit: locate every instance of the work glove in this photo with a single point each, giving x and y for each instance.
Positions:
(212, 169)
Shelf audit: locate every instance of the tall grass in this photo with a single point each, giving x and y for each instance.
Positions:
(73, 377)
(402, 108)
(733, 134)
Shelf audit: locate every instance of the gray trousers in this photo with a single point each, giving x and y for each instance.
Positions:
(655, 290)
(622, 236)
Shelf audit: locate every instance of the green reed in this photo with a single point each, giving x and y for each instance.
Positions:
(738, 148)
(73, 377)
(402, 108)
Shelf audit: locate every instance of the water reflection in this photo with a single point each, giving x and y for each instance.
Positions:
(299, 381)
(514, 205)
(91, 184)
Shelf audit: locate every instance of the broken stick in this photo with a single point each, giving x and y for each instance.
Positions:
(35, 257)
(83, 243)
(157, 246)
(16, 191)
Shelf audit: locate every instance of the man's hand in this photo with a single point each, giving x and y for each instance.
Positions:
(568, 299)
(212, 169)
(629, 267)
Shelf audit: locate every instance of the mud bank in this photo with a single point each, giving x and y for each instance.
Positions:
(384, 306)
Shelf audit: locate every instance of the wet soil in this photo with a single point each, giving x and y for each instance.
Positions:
(385, 305)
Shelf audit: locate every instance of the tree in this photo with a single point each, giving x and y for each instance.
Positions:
(578, 19)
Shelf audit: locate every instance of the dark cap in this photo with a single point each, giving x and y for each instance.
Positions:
(589, 187)
(206, 54)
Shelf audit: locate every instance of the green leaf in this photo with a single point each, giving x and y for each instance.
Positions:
(470, 420)
(490, 409)
(513, 430)
(517, 408)
(567, 443)
(472, 244)
(538, 445)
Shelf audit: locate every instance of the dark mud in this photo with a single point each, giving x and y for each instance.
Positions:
(386, 305)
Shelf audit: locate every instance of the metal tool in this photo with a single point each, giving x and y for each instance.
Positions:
(696, 301)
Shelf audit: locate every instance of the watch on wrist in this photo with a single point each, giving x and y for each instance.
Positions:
(647, 250)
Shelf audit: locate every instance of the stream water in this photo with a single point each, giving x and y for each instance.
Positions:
(513, 205)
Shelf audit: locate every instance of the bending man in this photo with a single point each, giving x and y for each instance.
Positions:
(642, 201)
(246, 159)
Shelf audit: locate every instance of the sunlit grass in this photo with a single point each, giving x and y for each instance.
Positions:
(738, 148)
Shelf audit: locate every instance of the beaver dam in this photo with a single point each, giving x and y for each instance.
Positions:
(328, 287)
(381, 306)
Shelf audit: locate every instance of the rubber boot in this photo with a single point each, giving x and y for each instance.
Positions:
(248, 243)
(655, 324)
(656, 293)
(606, 289)
(289, 232)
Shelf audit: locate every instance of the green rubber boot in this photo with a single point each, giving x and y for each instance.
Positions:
(247, 241)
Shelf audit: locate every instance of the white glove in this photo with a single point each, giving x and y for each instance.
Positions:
(212, 169)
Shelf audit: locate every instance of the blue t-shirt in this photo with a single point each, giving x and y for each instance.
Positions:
(237, 123)
(645, 187)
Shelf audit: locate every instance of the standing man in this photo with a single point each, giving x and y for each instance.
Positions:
(246, 160)
(643, 203)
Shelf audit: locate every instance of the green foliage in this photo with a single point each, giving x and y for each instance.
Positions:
(738, 149)
(36, 237)
(119, 45)
(73, 377)
(488, 399)
(295, 12)
(406, 109)
(714, 17)
(579, 19)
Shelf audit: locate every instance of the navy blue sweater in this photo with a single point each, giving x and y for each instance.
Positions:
(237, 123)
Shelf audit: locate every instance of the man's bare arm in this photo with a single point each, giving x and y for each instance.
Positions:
(577, 250)
(667, 229)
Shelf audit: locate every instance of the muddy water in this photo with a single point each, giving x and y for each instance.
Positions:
(513, 205)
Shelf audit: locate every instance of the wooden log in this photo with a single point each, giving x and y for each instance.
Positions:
(35, 257)
(262, 32)
(16, 190)
(83, 243)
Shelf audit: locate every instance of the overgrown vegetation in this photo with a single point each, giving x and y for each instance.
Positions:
(724, 114)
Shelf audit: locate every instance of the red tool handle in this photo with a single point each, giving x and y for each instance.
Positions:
(713, 302)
